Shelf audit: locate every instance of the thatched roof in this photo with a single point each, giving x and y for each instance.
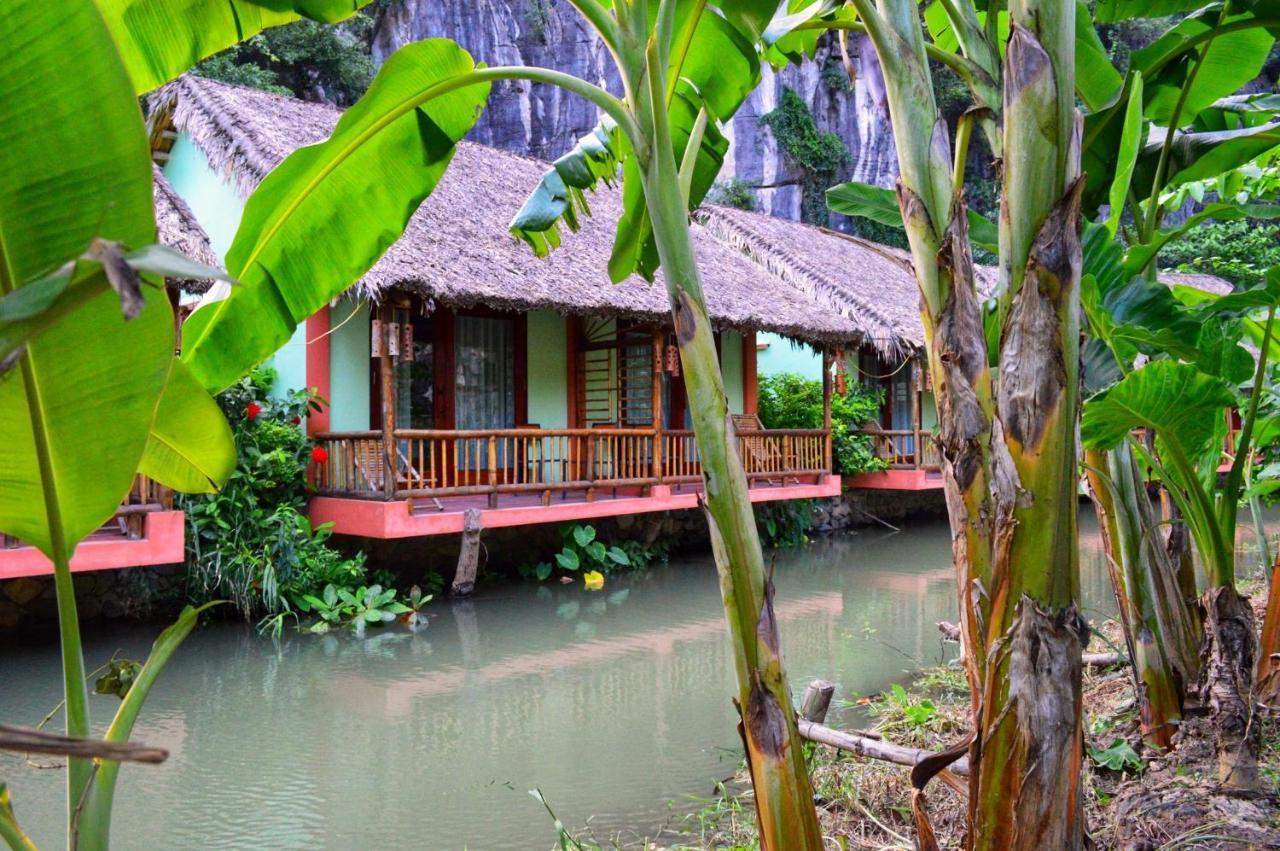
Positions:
(1198, 280)
(457, 250)
(872, 285)
(176, 227)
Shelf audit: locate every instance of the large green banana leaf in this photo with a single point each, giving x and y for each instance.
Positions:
(161, 39)
(1177, 400)
(323, 217)
(881, 205)
(1234, 56)
(76, 411)
(190, 448)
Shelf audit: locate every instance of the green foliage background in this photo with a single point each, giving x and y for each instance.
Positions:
(788, 400)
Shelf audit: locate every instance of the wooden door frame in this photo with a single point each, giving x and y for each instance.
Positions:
(444, 364)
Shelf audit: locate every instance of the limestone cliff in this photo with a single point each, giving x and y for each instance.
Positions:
(543, 122)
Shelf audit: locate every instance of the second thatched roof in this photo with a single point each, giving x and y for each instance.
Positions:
(177, 227)
(456, 249)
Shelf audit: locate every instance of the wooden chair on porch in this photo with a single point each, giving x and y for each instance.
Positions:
(368, 461)
(762, 455)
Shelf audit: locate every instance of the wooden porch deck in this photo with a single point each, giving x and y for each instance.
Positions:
(423, 482)
(145, 531)
(412, 517)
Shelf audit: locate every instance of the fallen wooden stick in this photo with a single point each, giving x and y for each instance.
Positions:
(873, 748)
(52, 744)
(951, 632)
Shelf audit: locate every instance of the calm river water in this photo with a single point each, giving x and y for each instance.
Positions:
(614, 703)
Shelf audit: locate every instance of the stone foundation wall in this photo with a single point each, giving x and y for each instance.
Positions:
(142, 592)
(132, 592)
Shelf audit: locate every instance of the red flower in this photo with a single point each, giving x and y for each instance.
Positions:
(252, 410)
(296, 420)
(319, 455)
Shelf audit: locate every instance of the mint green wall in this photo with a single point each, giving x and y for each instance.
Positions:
(349, 366)
(213, 199)
(731, 367)
(548, 370)
(218, 207)
(783, 355)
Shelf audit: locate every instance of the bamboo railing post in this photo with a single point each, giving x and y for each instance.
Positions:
(385, 373)
(826, 409)
(493, 470)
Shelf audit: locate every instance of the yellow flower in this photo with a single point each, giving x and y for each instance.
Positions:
(593, 580)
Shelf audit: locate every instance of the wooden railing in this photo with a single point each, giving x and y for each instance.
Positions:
(435, 463)
(129, 520)
(905, 448)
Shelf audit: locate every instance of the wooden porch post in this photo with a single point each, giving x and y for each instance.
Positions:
(387, 380)
(750, 378)
(917, 418)
(656, 404)
(826, 408)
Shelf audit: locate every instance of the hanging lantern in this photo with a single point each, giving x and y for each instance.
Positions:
(842, 379)
(673, 361)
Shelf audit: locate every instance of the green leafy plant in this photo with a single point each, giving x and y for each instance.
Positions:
(1117, 756)
(733, 192)
(252, 542)
(581, 551)
(355, 607)
(785, 524)
(416, 602)
(818, 155)
(918, 713)
(307, 59)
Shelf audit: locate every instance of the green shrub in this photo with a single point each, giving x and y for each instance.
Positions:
(788, 400)
(1238, 251)
(582, 551)
(784, 524)
(252, 542)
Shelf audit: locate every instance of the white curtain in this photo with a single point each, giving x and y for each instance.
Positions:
(485, 389)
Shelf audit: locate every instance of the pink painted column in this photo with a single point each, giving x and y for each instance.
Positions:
(318, 367)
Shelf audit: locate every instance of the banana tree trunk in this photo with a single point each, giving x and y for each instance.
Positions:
(785, 811)
(1008, 448)
(1136, 576)
(1267, 675)
(1226, 684)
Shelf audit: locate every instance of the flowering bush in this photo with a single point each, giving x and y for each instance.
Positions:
(252, 541)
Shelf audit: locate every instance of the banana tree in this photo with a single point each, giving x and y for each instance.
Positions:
(323, 217)
(1185, 404)
(90, 392)
(1008, 445)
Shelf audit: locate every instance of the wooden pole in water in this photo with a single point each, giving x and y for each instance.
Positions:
(817, 701)
(826, 410)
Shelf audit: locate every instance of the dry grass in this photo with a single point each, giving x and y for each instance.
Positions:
(1170, 802)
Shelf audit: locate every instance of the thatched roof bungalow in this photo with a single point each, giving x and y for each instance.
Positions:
(457, 252)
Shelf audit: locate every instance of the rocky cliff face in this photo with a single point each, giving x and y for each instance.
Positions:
(543, 122)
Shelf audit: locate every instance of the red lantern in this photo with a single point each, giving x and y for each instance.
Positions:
(673, 361)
